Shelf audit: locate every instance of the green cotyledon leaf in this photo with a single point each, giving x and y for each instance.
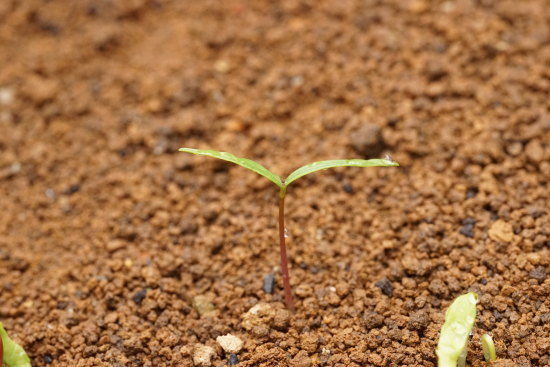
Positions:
(318, 166)
(488, 347)
(302, 171)
(243, 162)
(14, 354)
(453, 341)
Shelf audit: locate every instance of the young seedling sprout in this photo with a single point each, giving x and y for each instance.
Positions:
(283, 184)
(453, 342)
(11, 353)
(488, 347)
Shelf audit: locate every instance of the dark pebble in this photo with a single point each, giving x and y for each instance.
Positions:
(233, 359)
(385, 286)
(269, 283)
(347, 188)
(535, 212)
(483, 281)
(373, 320)
(419, 320)
(51, 28)
(139, 296)
(471, 192)
(72, 190)
(467, 228)
(497, 315)
(538, 273)
(48, 359)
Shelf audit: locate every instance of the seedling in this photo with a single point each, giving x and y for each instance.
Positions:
(282, 184)
(453, 342)
(488, 347)
(11, 353)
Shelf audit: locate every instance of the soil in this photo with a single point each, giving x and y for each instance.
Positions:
(109, 235)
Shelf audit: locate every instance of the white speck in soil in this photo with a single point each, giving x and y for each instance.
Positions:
(6, 96)
(50, 194)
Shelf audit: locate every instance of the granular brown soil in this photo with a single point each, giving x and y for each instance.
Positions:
(108, 234)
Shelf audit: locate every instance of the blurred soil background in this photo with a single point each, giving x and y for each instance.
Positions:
(116, 250)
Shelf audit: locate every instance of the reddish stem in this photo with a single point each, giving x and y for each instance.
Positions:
(284, 261)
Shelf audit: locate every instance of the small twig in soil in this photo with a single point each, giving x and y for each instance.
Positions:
(283, 184)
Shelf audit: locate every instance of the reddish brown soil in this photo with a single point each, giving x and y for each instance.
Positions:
(108, 233)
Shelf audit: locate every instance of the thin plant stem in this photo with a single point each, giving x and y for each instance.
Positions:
(284, 261)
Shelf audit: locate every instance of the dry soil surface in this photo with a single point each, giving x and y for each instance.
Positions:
(111, 241)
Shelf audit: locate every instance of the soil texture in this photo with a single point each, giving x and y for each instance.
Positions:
(117, 250)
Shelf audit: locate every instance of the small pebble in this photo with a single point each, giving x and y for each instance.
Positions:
(269, 283)
(139, 296)
(6, 96)
(15, 168)
(501, 231)
(221, 66)
(233, 359)
(50, 193)
(538, 273)
(297, 80)
(467, 228)
(348, 188)
(471, 192)
(534, 151)
(48, 359)
(202, 355)
(301, 359)
(115, 245)
(230, 343)
(385, 286)
(367, 141)
(72, 189)
(203, 305)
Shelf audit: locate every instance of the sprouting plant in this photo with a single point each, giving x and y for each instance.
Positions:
(453, 342)
(11, 353)
(488, 347)
(283, 184)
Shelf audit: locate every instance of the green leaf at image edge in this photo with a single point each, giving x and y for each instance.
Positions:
(453, 340)
(14, 354)
(243, 162)
(322, 165)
